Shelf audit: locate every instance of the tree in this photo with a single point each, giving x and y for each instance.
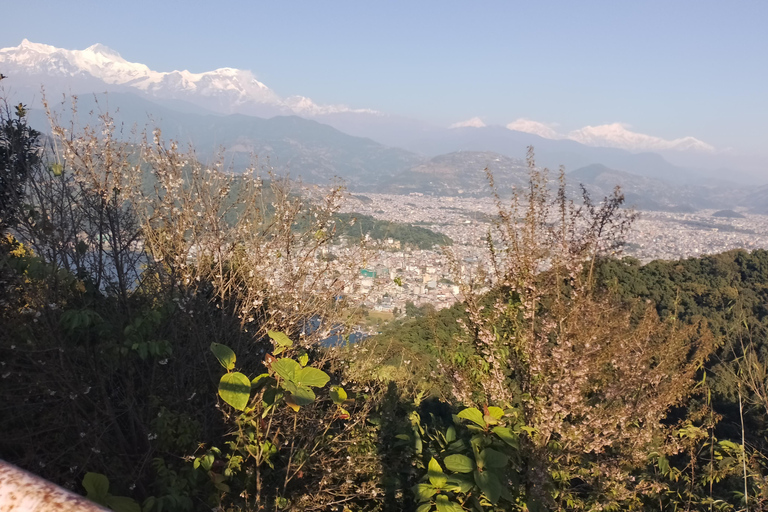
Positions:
(20, 151)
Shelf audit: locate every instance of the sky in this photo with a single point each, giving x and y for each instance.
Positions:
(670, 69)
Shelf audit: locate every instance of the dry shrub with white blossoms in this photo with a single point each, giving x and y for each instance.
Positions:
(150, 214)
(593, 378)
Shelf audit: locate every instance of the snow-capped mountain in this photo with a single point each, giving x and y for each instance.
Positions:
(613, 135)
(225, 90)
(617, 135)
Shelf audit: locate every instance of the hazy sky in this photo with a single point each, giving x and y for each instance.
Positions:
(667, 68)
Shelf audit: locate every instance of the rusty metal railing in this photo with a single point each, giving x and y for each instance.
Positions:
(21, 491)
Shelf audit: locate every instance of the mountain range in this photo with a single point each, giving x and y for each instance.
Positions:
(372, 151)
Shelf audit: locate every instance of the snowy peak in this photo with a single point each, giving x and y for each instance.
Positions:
(226, 90)
(105, 52)
(612, 135)
(26, 44)
(618, 135)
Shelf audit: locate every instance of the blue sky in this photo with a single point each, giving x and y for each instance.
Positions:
(670, 69)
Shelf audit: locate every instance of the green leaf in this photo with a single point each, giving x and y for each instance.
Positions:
(460, 483)
(450, 434)
(224, 354)
(446, 505)
(96, 486)
(304, 359)
(424, 491)
(311, 377)
(57, 169)
(302, 395)
(473, 415)
(490, 458)
(496, 412)
(122, 504)
(663, 465)
(286, 368)
(507, 436)
(435, 474)
(280, 338)
(235, 389)
(426, 507)
(489, 484)
(338, 395)
(459, 463)
(261, 380)
(206, 461)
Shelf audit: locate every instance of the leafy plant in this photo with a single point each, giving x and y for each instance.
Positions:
(97, 488)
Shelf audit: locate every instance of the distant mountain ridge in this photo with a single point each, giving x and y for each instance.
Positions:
(318, 153)
(302, 148)
(654, 194)
(370, 150)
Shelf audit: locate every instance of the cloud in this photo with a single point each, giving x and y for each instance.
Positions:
(613, 135)
(475, 122)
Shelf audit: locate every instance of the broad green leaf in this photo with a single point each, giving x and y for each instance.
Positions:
(446, 505)
(261, 380)
(280, 338)
(292, 403)
(507, 436)
(459, 463)
(235, 389)
(302, 395)
(96, 486)
(496, 412)
(473, 415)
(435, 474)
(286, 368)
(338, 395)
(122, 504)
(424, 491)
(460, 483)
(477, 442)
(224, 354)
(489, 484)
(311, 377)
(426, 507)
(450, 434)
(206, 461)
(663, 465)
(304, 359)
(491, 458)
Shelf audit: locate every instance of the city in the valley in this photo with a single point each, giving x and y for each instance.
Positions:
(397, 275)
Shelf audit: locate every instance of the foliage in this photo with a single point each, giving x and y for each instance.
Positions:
(20, 149)
(161, 328)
